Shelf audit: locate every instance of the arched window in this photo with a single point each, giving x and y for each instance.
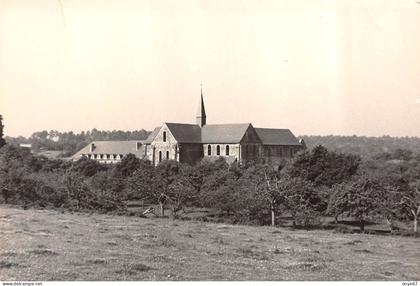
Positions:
(164, 136)
(227, 150)
(209, 150)
(218, 150)
(167, 155)
(160, 156)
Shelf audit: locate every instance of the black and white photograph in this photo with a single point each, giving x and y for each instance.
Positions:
(209, 140)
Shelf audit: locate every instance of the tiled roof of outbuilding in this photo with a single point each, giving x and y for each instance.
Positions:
(271, 136)
(223, 133)
(112, 147)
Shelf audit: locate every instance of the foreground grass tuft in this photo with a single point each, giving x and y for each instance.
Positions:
(97, 261)
(306, 266)
(6, 264)
(165, 239)
(42, 252)
(132, 269)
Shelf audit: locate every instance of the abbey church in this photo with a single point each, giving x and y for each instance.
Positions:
(190, 143)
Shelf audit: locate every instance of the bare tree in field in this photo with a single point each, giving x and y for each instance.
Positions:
(269, 185)
(170, 183)
(410, 201)
(273, 190)
(401, 202)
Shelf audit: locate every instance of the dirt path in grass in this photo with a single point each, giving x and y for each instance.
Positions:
(49, 245)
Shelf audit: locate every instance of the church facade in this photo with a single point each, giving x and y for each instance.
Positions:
(189, 143)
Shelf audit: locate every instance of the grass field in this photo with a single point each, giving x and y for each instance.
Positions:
(49, 245)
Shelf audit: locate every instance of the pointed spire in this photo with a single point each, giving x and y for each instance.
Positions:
(201, 111)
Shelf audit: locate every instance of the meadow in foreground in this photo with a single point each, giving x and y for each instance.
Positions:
(49, 245)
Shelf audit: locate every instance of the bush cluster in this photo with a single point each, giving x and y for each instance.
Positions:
(314, 184)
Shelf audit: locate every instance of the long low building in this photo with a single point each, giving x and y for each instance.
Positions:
(190, 143)
(110, 151)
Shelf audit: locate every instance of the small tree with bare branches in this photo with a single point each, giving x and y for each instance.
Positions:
(269, 186)
(410, 202)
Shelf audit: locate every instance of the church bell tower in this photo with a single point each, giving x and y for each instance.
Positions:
(201, 111)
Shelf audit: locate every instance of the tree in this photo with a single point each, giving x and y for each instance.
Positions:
(50, 189)
(128, 165)
(174, 186)
(410, 202)
(399, 175)
(141, 183)
(2, 141)
(244, 202)
(360, 198)
(77, 191)
(304, 201)
(166, 173)
(88, 167)
(269, 186)
(337, 203)
(170, 183)
(180, 192)
(13, 168)
(323, 167)
(220, 187)
(84, 196)
(212, 192)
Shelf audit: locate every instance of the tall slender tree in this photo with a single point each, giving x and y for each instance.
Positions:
(2, 141)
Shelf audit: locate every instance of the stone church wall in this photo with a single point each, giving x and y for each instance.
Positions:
(234, 152)
(164, 143)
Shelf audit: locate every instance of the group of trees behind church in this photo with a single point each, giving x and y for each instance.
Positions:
(315, 184)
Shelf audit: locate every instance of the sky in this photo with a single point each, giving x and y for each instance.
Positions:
(316, 67)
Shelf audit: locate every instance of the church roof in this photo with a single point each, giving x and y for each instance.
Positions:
(185, 133)
(112, 147)
(152, 135)
(223, 133)
(270, 136)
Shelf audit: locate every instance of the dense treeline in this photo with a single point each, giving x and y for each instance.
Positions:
(70, 142)
(314, 184)
(364, 146)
